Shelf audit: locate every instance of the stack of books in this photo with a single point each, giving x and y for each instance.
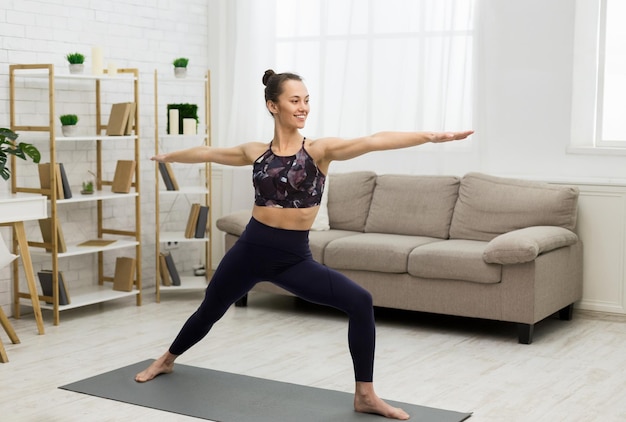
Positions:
(122, 119)
(168, 176)
(167, 270)
(63, 190)
(197, 222)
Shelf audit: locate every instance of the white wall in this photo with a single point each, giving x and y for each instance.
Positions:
(141, 34)
(523, 99)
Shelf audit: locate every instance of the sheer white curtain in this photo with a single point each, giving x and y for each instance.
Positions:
(369, 65)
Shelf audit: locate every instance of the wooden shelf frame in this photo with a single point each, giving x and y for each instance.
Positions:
(187, 282)
(26, 72)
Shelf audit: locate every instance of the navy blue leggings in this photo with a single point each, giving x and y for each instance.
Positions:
(283, 257)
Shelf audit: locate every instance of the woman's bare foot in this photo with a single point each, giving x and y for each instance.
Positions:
(163, 365)
(366, 401)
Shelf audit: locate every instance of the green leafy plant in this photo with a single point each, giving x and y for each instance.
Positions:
(8, 145)
(180, 62)
(88, 187)
(75, 58)
(68, 119)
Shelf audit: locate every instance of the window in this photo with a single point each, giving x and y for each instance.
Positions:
(612, 92)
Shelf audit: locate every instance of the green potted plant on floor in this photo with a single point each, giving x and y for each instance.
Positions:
(180, 67)
(68, 124)
(76, 61)
(8, 145)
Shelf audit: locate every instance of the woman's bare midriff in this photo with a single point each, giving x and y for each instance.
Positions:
(285, 218)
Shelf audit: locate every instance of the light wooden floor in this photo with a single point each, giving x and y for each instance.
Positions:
(574, 370)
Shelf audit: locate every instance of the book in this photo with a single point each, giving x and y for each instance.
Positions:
(167, 174)
(192, 221)
(163, 271)
(45, 279)
(123, 178)
(124, 274)
(45, 225)
(45, 181)
(67, 191)
(201, 222)
(171, 268)
(131, 119)
(118, 119)
(97, 242)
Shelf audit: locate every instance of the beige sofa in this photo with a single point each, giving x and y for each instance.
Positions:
(478, 246)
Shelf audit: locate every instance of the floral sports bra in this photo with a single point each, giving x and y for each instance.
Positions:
(287, 182)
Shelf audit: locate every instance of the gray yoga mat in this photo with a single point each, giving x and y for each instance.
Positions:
(226, 397)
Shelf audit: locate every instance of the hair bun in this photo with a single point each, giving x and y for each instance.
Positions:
(267, 75)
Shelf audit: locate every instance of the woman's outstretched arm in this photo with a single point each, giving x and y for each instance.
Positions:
(345, 149)
(240, 155)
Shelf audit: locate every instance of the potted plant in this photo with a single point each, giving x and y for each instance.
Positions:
(180, 67)
(76, 61)
(9, 146)
(68, 124)
(88, 185)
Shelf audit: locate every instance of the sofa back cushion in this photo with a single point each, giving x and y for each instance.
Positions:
(413, 205)
(349, 199)
(488, 206)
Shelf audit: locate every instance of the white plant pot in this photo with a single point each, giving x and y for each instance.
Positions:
(180, 72)
(76, 68)
(69, 130)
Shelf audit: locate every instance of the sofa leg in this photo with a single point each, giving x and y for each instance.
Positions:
(566, 313)
(243, 302)
(525, 333)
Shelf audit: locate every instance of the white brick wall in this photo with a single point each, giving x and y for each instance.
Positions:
(142, 34)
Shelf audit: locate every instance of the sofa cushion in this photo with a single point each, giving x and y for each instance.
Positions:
(234, 223)
(488, 206)
(349, 200)
(386, 253)
(454, 260)
(318, 240)
(524, 245)
(413, 205)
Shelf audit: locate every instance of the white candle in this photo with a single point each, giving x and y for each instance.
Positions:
(111, 68)
(96, 60)
(173, 121)
(189, 126)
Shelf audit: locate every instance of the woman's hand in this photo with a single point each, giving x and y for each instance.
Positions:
(450, 136)
(159, 157)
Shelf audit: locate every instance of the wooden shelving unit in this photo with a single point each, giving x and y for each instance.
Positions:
(199, 193)
(42, 77)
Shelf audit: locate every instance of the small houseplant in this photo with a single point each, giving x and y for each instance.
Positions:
(21, 150)
(68, 124)
(180, 67)
(76, 61)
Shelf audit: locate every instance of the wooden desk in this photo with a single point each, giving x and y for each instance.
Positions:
(14, 210)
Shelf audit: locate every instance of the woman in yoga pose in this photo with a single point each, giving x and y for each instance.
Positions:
(288, 175)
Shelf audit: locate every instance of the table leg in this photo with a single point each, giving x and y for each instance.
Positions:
(30, 274)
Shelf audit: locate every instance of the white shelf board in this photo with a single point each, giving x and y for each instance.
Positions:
(94, 138)
(73, 250)
(89, 296)
(96, 196)
(189, 190)
(179, 237)
(43, 73)
(187, 283)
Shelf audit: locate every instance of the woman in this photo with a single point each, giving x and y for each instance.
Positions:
(288, 176)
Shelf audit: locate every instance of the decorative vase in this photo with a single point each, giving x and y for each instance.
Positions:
(180, 72)
(68, 130)
(76, 68)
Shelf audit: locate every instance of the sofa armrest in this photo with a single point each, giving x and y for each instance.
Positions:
(234, 223)
(524, 245)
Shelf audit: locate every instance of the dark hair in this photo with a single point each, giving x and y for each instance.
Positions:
(274, 83)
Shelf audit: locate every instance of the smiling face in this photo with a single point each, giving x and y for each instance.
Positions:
(292, 107)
